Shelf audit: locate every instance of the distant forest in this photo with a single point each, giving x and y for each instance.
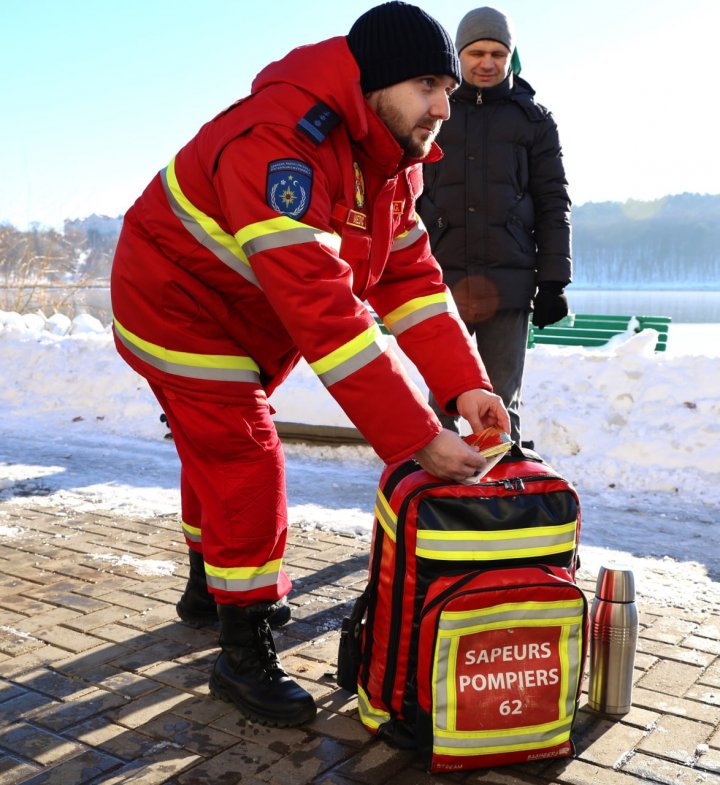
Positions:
(670, 243)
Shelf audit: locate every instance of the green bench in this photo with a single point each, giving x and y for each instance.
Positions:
(588, 329)
(592, 329)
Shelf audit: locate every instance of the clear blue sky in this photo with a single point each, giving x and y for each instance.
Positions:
(97, 95)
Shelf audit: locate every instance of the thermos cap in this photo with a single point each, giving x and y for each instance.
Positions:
(615, 583)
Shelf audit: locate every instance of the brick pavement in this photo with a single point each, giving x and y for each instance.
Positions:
(100, 683)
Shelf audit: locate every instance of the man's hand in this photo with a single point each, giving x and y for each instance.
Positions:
(483, 409)
(450, 458)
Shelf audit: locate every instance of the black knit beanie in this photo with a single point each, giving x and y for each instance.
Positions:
(397, 41)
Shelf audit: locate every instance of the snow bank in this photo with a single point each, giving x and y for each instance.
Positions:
(621, 416)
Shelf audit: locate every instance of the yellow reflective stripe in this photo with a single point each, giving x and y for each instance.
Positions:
(350, 357)
(243, 578)
(532, 614)
(412, 306)
(204, 228)
(565, 666)
(386, 516)
(486, 555)
(494, 742)
(412, 235)
(193, 533)
(543, 728)
(221, 367)
(444, 708)
(370, 716)
(210, 226)
(279, 232)
(416, 311)
(491, 545)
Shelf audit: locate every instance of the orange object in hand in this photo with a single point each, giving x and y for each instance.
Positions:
(492, 444)
(492, 441)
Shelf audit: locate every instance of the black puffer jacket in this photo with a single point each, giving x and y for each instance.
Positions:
(497, 207)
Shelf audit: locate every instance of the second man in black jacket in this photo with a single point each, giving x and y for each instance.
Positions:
(497, 207)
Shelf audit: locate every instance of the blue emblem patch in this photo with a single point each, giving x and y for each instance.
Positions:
(289, 187)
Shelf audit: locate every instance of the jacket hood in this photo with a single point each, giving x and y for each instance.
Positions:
(328, 71)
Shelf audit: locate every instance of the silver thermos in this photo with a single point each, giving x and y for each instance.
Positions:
(613, 640)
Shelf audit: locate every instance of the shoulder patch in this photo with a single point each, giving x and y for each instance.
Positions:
(289, 187)
(318, 122)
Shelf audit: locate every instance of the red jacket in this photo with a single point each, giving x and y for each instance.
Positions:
(264, 237)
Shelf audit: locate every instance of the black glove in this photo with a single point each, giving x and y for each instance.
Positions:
(550, 304)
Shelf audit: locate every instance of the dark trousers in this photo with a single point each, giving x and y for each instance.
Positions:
(502, 343)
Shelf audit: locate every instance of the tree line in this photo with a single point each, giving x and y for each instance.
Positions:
(673, 242)
(669, 243)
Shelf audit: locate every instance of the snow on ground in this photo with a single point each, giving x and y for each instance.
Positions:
(634, 430)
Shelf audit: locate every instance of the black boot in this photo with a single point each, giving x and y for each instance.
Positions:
(247, 671)
(197, 606)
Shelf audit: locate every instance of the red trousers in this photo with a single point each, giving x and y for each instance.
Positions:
(234, 502)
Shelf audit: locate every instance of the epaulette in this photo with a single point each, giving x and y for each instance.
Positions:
(318, 122)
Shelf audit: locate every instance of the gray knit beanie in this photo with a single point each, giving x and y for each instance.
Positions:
(484, 24)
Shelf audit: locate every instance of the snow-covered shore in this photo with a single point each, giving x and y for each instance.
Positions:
(634, 430)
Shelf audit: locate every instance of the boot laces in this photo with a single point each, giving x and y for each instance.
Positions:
(266, 646)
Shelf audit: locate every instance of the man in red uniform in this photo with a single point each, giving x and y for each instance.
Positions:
(260, 243)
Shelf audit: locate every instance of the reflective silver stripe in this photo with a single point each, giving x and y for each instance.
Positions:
(226, 368)
(416, 311)
(243, 578)
(486, 743)
(385, 516)
(486, 546)
(351, 356)
(242, 584)
(444, 651)
(342, 371)
(281, 238)
(191, 532)
(418, 316)
(370, 716)
(561, 612)
(406, 239)
(574, 632)
(221, 244)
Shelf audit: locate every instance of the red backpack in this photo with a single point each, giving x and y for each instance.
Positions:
(469, 641)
